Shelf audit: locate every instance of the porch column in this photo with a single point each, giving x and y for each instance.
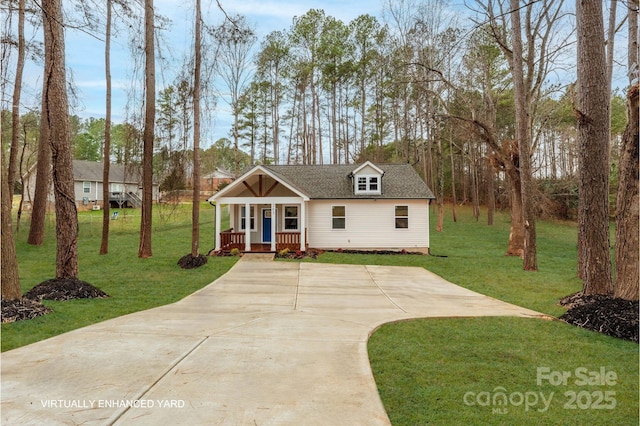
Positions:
(303, 225)
(273, 227)
(247, 227)
(217, 228)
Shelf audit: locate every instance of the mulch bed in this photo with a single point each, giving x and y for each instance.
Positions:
(189, 261)
(297, 254)
(22, 309)
(29, 305)
(64, 289)
(607, 315)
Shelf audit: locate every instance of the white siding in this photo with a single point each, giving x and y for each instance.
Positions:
(370, 224)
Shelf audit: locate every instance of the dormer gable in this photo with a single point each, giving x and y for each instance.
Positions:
(367, 179)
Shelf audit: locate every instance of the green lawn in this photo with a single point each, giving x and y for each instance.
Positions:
(453, 371)
(429, 371)
(425, 368)
(134, 284)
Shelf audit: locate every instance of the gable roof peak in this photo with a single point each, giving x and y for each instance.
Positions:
(367, 164)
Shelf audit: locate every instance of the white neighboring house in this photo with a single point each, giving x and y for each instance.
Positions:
(365, 207)
(125, 188)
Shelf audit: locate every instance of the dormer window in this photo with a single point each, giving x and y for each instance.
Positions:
(367, 179)
(368, 185)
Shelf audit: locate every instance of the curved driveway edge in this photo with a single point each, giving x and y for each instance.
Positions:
(268, 343)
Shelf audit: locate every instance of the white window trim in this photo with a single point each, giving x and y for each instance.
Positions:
(396, 217)
(253, 209)
(86, 187)
(368, 190)
(284, 218)
(343, 217)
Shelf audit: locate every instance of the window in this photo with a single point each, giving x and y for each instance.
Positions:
(243, 218)
(86, 187)
(402, 217)
(362, 184)
(368, 185)
(338, 220)
(373, 184)
(291, 218)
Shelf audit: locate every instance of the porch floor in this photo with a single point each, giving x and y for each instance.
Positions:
(260, 248)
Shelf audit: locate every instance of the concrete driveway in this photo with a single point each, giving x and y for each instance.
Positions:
(268, 343)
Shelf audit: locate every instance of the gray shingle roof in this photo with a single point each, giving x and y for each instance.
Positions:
(334, 181)
(92, 171)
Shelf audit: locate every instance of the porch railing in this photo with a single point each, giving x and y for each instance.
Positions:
(287, 240)
(284, 240)
(230, 240)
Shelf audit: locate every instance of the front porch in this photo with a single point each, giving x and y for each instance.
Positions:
(230, 240)
(265, 213)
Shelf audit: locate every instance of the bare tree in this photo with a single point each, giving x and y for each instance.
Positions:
(15, 110)
(57, 115)
(10, 279)
(104, 244)
(592, 111)
(540, 46)
(627, 216)
(523, 135)
(235, 38)
(144, 250)
(43, 177)
(195, 217)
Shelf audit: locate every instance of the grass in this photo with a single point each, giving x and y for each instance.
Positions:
(448, 371)
(134, 284)
(423, 368)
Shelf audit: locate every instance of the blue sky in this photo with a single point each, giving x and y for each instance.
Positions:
(85, 55)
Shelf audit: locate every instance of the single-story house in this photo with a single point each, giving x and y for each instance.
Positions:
(125, 185)
(364, 207)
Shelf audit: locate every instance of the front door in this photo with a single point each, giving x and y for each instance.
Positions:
(266, 225)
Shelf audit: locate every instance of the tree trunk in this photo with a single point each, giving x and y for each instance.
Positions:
(104, 245)
(43, 173)
(440, 197)
(55, 97)
(523, 135)
(144, 250)
(491, 196)
(453, 179)
(15, 110)
(195, 213)
(627, 216)
(593, 140)
(10, 280)
(516, 234)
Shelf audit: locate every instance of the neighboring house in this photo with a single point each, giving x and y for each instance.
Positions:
(364, 206)
(211, 181)
(125, 188)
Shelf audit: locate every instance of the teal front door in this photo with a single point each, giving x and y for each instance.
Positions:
(266, 225)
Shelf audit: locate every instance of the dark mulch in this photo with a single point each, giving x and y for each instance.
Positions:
(189, 261)
(297, 254)
(613, 317)
(64, 289)
(22, 309)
